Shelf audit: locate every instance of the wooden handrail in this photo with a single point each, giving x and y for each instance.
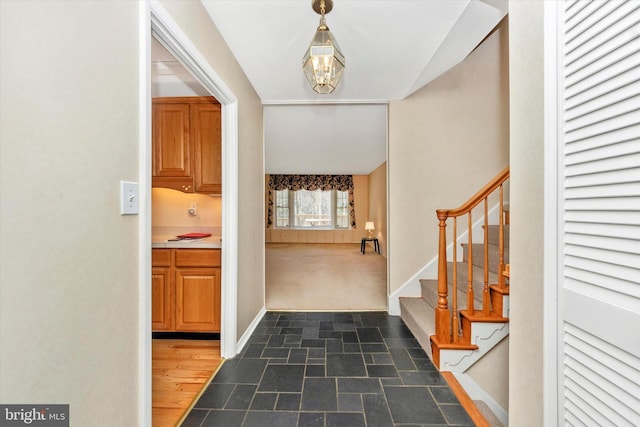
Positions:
(448, 325)
(476, 198)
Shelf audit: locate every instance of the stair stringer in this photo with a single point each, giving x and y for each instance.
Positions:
(411, 288)
(485, 335)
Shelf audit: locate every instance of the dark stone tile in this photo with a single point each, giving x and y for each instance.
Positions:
(401, 342)
(292, 341)
(291, 331)
(226, 370)
(195, 418)
(215, 396)
(381, 359)
(310, 332)
(288, 402)
(264, 401)
(391, 381)
(293, 316)
(417, 353)
(344, 327)
(277, 361)
(283, 323)
(248, 371)
(424, 365)
(413, 405)
(373, 348)
(319, 394)
(350, 402)
(375, 319)
(422, 378)
(345, 365)
(314, 371)
(326, 325)
(334, 346)
(368, 357)
(376, 411)
(359, 385)
(443, 395)
(382, 371)
(316, 353)
(456, 414)
(319, 316)
(275, 352)
(312, 343)
(349, 337)
(241, 397)
(351, 348)
(297, 356)
(345, 419)
(276, 341)
(401, 359)
(330, 334)
(282, 378)
(369, 335)
(342, 318)
(311, 419)
(272, 331)
(261, 338)
(264, 418)
(253, 350)
(224, 418)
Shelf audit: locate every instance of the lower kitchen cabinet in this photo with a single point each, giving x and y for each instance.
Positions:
(186, 290)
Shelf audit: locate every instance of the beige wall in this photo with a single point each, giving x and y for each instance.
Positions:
(378, 204)
(69, 279)
(361, 201)
(169, 208)
(445, 142)
(527, 230)
(195, 22)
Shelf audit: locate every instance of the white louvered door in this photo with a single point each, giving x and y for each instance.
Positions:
(598, 213)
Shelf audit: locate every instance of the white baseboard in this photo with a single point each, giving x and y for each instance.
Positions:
(411, 288)
(476, 392)
(252, 327)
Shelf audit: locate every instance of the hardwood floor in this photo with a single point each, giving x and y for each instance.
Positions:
(180, 370)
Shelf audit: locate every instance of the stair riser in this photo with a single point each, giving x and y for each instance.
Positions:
(478, 256)
(494, 235)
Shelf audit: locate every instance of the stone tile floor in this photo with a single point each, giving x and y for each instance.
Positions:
(329, 369)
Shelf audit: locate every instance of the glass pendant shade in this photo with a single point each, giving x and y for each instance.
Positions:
(323, 62)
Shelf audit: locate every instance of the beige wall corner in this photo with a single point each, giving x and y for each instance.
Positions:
(445, 142)
(527, 229)
(491, 373)
(378, 204)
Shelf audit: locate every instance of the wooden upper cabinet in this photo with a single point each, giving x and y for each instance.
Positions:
(187, 145)
(207, 143)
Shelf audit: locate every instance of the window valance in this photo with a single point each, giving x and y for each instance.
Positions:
(311, 182)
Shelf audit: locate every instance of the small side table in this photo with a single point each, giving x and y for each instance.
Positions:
(363, 244)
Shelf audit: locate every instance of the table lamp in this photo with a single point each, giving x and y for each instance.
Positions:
(369, 227)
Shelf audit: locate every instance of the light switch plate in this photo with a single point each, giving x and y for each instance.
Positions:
(129, 198)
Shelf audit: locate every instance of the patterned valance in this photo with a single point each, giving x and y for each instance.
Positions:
(311, 183)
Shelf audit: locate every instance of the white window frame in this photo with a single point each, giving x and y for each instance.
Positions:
(291, 206)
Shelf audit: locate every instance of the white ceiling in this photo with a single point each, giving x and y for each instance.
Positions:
(392, 49)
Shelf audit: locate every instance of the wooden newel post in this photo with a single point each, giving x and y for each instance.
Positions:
(443, 316)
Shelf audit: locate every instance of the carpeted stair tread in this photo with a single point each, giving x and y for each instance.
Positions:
(494, 235)
(419, 317)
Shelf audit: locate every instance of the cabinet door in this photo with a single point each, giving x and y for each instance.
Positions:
(172, 150)
(161, 304)
(207, 143)
(197, 299)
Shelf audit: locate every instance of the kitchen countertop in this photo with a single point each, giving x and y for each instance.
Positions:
(161, 237)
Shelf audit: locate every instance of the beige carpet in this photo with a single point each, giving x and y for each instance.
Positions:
(312, 276)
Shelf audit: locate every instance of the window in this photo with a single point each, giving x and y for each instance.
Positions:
(305, 209)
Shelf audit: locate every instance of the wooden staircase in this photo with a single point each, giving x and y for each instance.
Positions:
(464, 312)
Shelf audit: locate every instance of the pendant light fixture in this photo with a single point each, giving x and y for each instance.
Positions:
(323, 62)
